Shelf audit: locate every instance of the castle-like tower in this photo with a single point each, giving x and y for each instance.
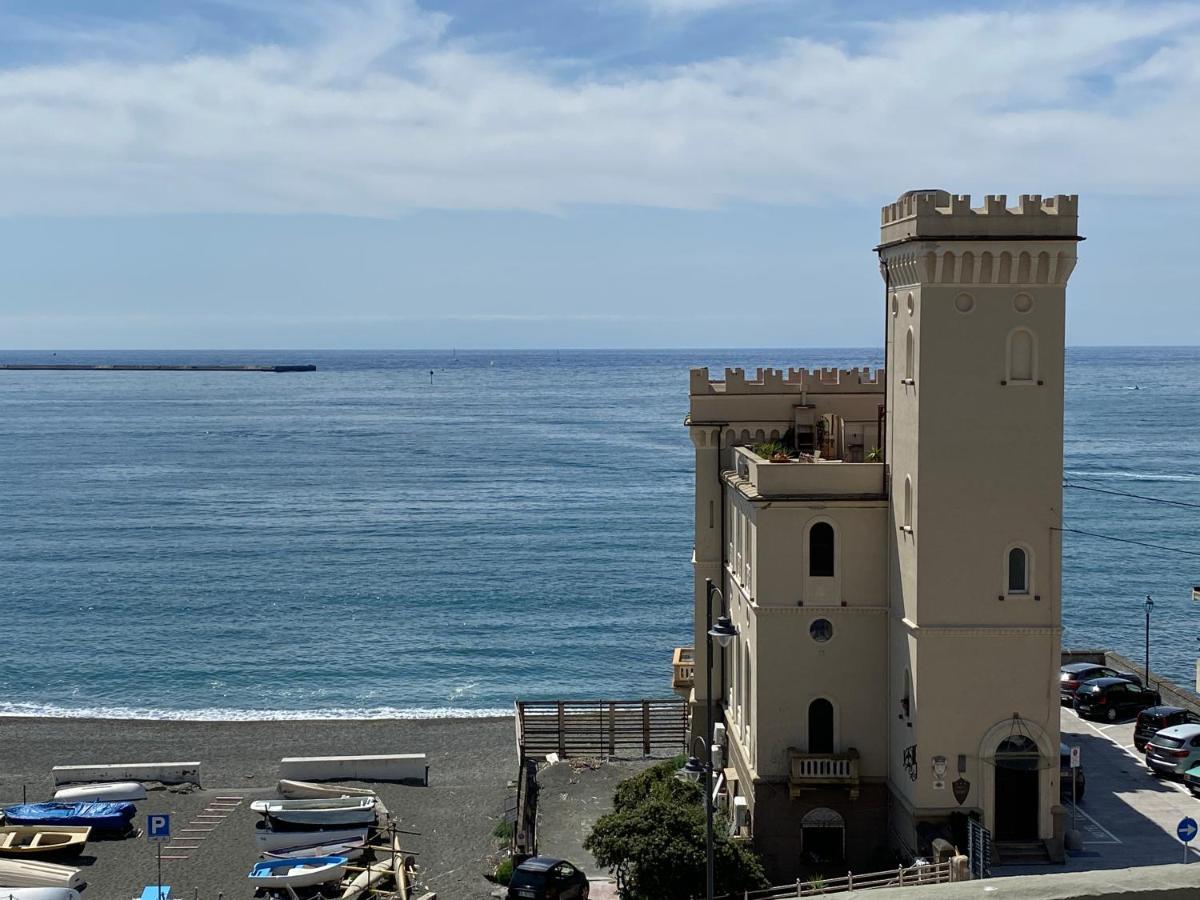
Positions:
(894, 575)
(975, 341)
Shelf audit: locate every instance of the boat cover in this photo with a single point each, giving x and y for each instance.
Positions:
(101, 816)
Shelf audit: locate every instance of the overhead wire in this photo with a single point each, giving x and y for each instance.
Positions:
(1115, 493)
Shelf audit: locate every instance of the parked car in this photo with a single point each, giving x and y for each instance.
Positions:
(547, 878)
(1064, 775)
(1174, 750)
(1155, 719)
(1072, 675)
(1113, 699)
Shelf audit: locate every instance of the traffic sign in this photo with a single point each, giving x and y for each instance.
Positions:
(1074, 757)
(158, 828)
(1187, 829)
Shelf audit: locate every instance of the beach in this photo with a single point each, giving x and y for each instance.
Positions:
(471, 761)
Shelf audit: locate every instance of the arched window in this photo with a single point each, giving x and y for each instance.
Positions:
(1022, 356)
(820, 550)
(909, 362)
(820, 726)
(1018, 571)
(908, 501)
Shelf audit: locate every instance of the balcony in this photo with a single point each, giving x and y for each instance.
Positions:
(814, 770)
(683, 671)
(820, 478)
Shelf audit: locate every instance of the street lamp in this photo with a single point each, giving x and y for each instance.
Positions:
(1149, 607)
(723, 633)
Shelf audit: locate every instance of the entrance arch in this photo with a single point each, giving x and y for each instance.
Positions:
(823, 836)
(1019, 772)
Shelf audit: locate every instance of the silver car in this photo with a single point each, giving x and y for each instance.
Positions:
(1174, 750)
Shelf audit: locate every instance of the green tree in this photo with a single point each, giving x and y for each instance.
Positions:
(654, 841)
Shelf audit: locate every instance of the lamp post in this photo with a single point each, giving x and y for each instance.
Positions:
(1149, 607)
(723, 634)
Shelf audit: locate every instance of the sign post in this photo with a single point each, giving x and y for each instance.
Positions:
(158, 832)
(1186, 829)
(1074, 782)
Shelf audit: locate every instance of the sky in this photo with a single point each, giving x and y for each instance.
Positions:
(567, 173)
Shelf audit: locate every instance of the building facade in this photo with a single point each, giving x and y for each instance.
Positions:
(886, 543)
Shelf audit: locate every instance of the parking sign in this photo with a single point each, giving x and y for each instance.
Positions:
(158, 828)
(1074, 757)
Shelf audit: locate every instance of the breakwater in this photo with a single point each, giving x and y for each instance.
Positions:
(118, 367)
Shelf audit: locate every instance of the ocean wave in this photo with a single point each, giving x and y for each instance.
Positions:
(50, 711)
(1129, 476)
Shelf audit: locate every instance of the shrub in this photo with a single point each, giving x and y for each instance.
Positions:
(654, 839)
(504, 870)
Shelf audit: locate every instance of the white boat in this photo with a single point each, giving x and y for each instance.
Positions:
(43, 840)
(31, 873)
(348, 849)
(327, 811)
(293, 873)
(38, 894)
(307, 790)
(370, 877)
(266, 839)
(110, 792)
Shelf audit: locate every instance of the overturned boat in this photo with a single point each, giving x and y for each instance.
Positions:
(98, 816)
(19, 873)
(110, 792)
(270, 840)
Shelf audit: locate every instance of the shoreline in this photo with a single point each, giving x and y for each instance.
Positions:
(380, 714)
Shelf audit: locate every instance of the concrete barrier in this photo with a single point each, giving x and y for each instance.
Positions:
(1172, 882)
(407, 767)
(167, 773)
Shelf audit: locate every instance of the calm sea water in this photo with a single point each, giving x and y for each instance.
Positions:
(359, 541)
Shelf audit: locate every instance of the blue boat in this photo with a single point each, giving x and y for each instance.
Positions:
(100, 816)
(305, 871)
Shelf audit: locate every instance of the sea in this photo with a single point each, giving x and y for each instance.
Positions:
(439, 533)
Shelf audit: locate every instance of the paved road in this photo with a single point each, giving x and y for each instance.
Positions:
(1128, 816)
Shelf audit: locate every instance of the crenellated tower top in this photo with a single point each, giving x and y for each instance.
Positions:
(941, 216)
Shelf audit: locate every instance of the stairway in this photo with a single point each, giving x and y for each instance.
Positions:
(1022, 853)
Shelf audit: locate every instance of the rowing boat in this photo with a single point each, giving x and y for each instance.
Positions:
(327, 811)
(43, 840)
(38, 894)
(267, 839)
(100, 816)
(304, 871)
(348, 849)
(307, 790)
(34, 873)
(101, 793)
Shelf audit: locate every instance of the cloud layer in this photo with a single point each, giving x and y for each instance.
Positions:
(376, 111)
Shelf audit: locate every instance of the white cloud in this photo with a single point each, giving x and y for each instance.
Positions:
(380, 112)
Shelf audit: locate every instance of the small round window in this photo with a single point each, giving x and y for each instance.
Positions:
(821, 630)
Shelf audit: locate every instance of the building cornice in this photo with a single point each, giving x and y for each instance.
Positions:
(982, 630)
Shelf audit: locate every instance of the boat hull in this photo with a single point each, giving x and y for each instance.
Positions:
(100, 816)
(101, 793)
(43, 840)
(269, 840)
(306, 871)
(38, 894)
(327, 812)
(34, 873)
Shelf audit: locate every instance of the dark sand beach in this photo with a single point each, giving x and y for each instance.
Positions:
(471, 762)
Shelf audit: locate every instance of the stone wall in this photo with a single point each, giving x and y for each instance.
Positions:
(1176, 882)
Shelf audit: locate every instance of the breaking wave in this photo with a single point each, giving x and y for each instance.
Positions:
(49, 711)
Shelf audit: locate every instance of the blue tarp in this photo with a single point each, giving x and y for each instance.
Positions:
(101, 816)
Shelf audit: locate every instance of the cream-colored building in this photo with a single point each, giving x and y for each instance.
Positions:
(897, 591)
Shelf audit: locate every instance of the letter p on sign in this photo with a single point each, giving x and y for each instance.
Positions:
(158, 828)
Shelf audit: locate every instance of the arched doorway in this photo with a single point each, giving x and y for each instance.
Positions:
(820, 726)
(822, 837)
(1017, 762)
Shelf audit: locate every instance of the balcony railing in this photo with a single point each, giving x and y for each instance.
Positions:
(811, 770)
(824, 478)
(683, 669)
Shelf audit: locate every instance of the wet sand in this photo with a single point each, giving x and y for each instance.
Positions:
(471, 762)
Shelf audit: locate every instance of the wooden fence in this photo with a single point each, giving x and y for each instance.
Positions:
(931, 873)
(601, 728)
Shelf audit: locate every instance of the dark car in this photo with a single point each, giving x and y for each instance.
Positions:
(1064, 775)
(1072, 675)
(1113, 699)
(1155, 719)
(547, 878)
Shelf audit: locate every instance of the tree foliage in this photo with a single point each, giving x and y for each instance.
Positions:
(654, 840)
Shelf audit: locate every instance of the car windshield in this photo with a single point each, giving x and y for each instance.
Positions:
(523, 879)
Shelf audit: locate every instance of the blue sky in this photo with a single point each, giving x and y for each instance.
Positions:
(566, 173)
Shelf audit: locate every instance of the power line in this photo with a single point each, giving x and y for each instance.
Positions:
(1109, 537)
(1183, 503)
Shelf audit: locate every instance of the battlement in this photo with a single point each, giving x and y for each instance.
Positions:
(794, 381)
(939, 215)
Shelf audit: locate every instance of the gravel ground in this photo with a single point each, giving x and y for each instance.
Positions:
(471, 762)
